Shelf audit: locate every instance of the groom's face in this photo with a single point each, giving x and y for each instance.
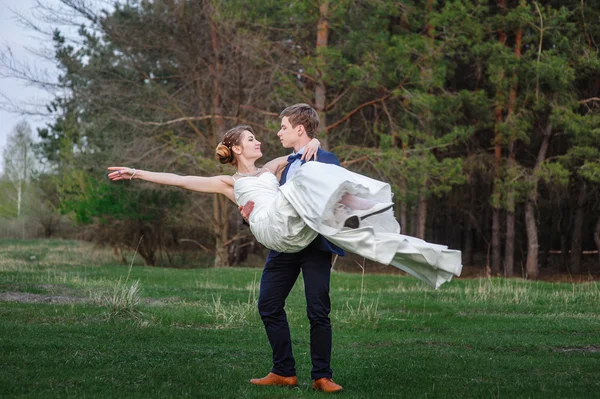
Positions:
(288, 135)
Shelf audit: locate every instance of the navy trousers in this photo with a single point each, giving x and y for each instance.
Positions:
(278, 278)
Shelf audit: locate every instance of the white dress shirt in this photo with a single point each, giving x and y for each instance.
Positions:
(295, 165)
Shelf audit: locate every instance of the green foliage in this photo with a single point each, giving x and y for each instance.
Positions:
(8, 203)
(590, 170)
(91, 200)
(555, 173)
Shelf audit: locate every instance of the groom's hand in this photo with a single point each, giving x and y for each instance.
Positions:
(246, 209)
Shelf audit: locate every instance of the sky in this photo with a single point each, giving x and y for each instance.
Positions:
(20, 39)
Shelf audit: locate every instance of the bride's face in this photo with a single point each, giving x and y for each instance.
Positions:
(249, 146)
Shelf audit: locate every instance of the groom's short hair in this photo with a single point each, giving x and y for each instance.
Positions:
(302, 114)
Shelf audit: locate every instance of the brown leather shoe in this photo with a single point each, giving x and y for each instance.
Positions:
(327, 385)
(274, 379)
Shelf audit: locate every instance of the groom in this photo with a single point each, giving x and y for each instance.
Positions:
(299, 124)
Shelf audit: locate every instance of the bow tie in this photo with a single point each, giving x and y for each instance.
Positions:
(294, 157)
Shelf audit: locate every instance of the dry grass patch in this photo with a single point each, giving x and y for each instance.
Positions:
(585, 349)
(365, 313)
(25, 297)
(123, 299)
(232, 314)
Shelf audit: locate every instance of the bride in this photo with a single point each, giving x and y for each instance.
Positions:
(348, 209)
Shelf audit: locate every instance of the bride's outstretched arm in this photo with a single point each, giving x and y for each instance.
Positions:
(214, 184)
(277, 165)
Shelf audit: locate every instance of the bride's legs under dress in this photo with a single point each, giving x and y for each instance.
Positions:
(356, 203)
(362, 208)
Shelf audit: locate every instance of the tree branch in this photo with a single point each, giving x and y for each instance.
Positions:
(186, 119)
(355, 110)
(348, 163)
(588, 100)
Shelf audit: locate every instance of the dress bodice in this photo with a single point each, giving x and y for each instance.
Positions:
(261, 189)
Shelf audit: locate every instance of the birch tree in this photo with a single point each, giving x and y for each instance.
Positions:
(19, 161)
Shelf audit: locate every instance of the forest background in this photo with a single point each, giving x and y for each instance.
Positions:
(483, 115)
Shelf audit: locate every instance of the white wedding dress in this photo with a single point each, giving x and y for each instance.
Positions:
(287, 218)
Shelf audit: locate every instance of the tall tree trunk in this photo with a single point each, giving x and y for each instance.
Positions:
(496, 229)
(468, 248)
(320, 89)
(403, 219)
(564, 253)
(19, 195)
(597, 238)
(496, 255)
(564, 230)
(217, 73)
(422, 219)
(532, 237)
(221, 225)
(530, 221)
(422, 214)
(414, 213)
(509, 248)
(220, 211)
(469, 231)
(426, 74)
(575, 260)
(509, 243)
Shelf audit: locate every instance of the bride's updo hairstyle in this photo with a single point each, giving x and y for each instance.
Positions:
(233, 137)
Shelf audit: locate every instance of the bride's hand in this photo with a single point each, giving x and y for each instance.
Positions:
(311, 150)
(121, 173)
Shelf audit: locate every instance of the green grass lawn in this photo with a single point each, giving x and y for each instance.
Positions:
(67, 329)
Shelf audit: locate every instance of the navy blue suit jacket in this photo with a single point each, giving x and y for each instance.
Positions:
(320, 242)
